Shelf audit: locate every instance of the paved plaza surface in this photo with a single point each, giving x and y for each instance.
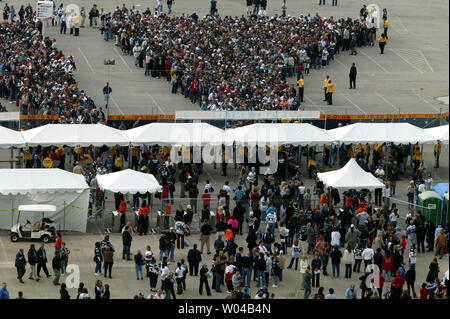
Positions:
(408, 78)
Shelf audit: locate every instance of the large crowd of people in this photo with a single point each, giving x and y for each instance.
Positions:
(37, 77)
(234, 63)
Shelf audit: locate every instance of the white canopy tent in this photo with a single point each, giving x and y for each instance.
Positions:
(279, 134)
(189, 134)
(75, 135)
(440, 133)
(128, 182)
(10, 138)
(397, 133)
(351, 176)
(49, 186)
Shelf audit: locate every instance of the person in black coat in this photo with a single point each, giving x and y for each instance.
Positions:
(126, 241)
(20, 265)
(251, 240)
(168, 286)
(32, 260)
(421, 234)
(42, 261)
(204, 280)
(410, 279)
(238, 213)
(194, 258)
(64, 294)
(352, 76)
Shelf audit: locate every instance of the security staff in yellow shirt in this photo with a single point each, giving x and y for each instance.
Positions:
(437, 152)
(301, 86)
(329, 92)
(325, 84)
(382, 40)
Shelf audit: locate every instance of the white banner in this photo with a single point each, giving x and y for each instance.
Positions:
(246, 115)
(9, 116)
(44, 9)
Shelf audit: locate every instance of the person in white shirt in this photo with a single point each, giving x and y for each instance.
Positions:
(251, 177)
(179, 272)
(393, 217)
(421, 187)
(227, 188)
(335, 238)
(331, 294)
(367, 256)
(429, 183)
(209, 187)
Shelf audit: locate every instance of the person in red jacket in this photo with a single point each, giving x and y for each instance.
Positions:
(143, 213)
(424, 292)
(194, 86)
(387, 264)
(122, 211)
(397, 286)
(206, 197)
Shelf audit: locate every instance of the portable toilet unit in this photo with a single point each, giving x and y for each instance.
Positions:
(431, 205)
(445, 209)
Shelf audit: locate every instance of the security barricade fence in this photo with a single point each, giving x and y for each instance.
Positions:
(105, 219)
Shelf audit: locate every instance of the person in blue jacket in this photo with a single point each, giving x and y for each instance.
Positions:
(4, 293)
(351, 292)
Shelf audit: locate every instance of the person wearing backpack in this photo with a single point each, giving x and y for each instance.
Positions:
(268, 239)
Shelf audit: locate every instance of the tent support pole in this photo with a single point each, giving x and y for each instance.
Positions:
(64, 216)
(12, 156)
(12, 212)
(129, 156)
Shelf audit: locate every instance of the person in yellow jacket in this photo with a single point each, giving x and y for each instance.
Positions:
(325, 84)
(329, 92)
(118, 163)
(437, 152)
(417, 157)
(301, 86)
(386, 27)
(382, 40)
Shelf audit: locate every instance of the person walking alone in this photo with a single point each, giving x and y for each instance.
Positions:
(204, 275)
(301, 88)
(126, 241)
(329, 92)
(106, 92)
(382, 40)
(352, 76)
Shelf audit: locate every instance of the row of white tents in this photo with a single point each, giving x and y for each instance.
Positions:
(201, 133)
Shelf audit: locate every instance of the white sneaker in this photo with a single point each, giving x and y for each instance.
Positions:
(274, 286)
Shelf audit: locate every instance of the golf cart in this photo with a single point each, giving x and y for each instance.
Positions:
(45, 229)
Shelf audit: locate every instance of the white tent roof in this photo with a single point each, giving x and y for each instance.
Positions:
(75, 135)
(197, 133)
(39, 180)
(351, 176)
(279, 134)
(397, 133)
(439, 133)
(10, 138)
(128, 182)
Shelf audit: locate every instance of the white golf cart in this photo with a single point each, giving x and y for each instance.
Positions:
(45, 229)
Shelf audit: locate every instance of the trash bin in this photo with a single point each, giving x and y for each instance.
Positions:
(431, 205)
(163, 222)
